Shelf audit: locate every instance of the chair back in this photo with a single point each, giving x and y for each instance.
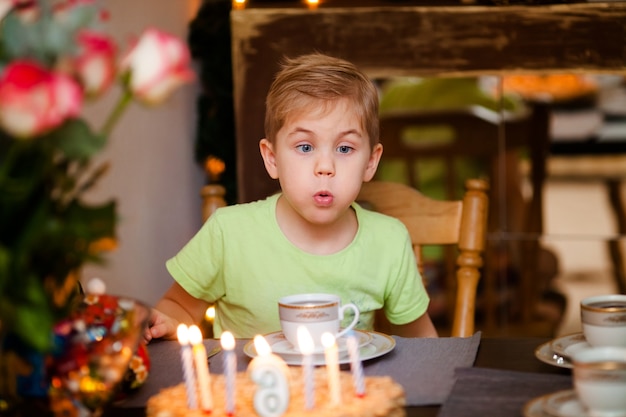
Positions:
(461, 223)
(499, 141)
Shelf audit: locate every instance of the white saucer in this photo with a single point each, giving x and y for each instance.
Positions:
(558, 404)
(281, 346)
(545, 354)
(376, 344)
(567, 345)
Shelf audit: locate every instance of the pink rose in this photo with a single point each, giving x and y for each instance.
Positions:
(34, 100)
(5, 7)
(96, 64)
(158, 63)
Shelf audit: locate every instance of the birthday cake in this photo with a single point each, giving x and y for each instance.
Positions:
(383, 398)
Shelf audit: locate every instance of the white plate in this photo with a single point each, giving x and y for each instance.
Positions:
(379, 344)
(281, 346)
(558, 404)
(545, 354)
(567, 345)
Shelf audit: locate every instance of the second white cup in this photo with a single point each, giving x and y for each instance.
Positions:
(603, 319)
(318, 312)
(600, 380)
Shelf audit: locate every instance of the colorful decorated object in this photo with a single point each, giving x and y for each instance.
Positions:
(137, 372)
(98, 352)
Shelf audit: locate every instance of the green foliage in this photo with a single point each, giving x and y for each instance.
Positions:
(46, 231)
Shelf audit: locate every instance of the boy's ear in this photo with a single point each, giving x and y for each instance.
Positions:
(269, 157)
(372, 164)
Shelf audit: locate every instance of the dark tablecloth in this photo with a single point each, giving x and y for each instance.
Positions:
(424, 367)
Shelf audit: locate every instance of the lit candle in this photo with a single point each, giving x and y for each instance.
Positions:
(202, 368)
(230, 370)
(270, 373)
(239, 4)
(355, 364)
(187, 361)
(306, 346)
(312, 4)
(331, 354)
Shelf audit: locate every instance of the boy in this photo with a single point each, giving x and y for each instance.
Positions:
(321, 143)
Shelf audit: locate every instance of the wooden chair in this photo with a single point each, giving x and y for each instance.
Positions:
(462, 223)
(515, 221)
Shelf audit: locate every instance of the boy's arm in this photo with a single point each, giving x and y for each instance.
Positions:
(175, 307)
(421, 327)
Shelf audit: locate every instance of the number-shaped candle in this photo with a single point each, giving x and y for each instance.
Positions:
(270, 373)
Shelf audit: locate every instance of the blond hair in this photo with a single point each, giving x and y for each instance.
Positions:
(316, 80)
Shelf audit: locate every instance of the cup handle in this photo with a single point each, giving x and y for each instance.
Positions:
(354, 321)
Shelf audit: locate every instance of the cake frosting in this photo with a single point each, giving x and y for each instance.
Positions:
(383, 398)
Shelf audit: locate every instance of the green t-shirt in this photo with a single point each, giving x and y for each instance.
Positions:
(241, 261)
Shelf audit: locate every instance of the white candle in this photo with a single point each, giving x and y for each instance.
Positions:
(230, 370)
(202, 368)
(306, 346)
(355, 364)
(187, 360)
(331, 354)
(270, 373)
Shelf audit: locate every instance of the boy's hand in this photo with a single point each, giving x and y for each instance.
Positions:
(160, 326)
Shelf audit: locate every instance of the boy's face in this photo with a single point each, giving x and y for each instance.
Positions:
(321, 157)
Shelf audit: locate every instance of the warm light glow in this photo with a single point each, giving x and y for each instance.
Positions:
(305, 341)
(328, 340)
(90, 385)
(195, 335)
(239, 4)
(227, 341)
(261, 346)
(183, 334)
(210, 314)
(312, 4)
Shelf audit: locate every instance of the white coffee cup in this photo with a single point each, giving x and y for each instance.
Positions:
(319, 313)
(603, 319)
(599, 375)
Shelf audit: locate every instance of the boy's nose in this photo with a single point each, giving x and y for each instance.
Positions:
(325, 166)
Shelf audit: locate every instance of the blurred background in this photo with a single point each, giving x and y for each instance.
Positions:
(158, 169)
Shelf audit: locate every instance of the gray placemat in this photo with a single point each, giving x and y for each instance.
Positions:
(482, 392)
(425, 367)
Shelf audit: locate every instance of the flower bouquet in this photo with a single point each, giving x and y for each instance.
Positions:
(54, 57)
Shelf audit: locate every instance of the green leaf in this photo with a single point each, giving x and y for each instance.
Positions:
(77, 141)
(26, 312)
(92, 222)
(34, 324)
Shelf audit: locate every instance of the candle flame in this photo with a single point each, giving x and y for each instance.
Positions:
(262, 347)
(227, 341)
(305, 341)
(210, 314)
(183, 334)
(328, 340)
(195, 335)
(312, 4)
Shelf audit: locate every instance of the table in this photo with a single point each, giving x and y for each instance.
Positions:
(513, 354)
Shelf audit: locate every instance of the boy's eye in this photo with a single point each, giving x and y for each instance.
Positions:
(344, 149)
(304, 148)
